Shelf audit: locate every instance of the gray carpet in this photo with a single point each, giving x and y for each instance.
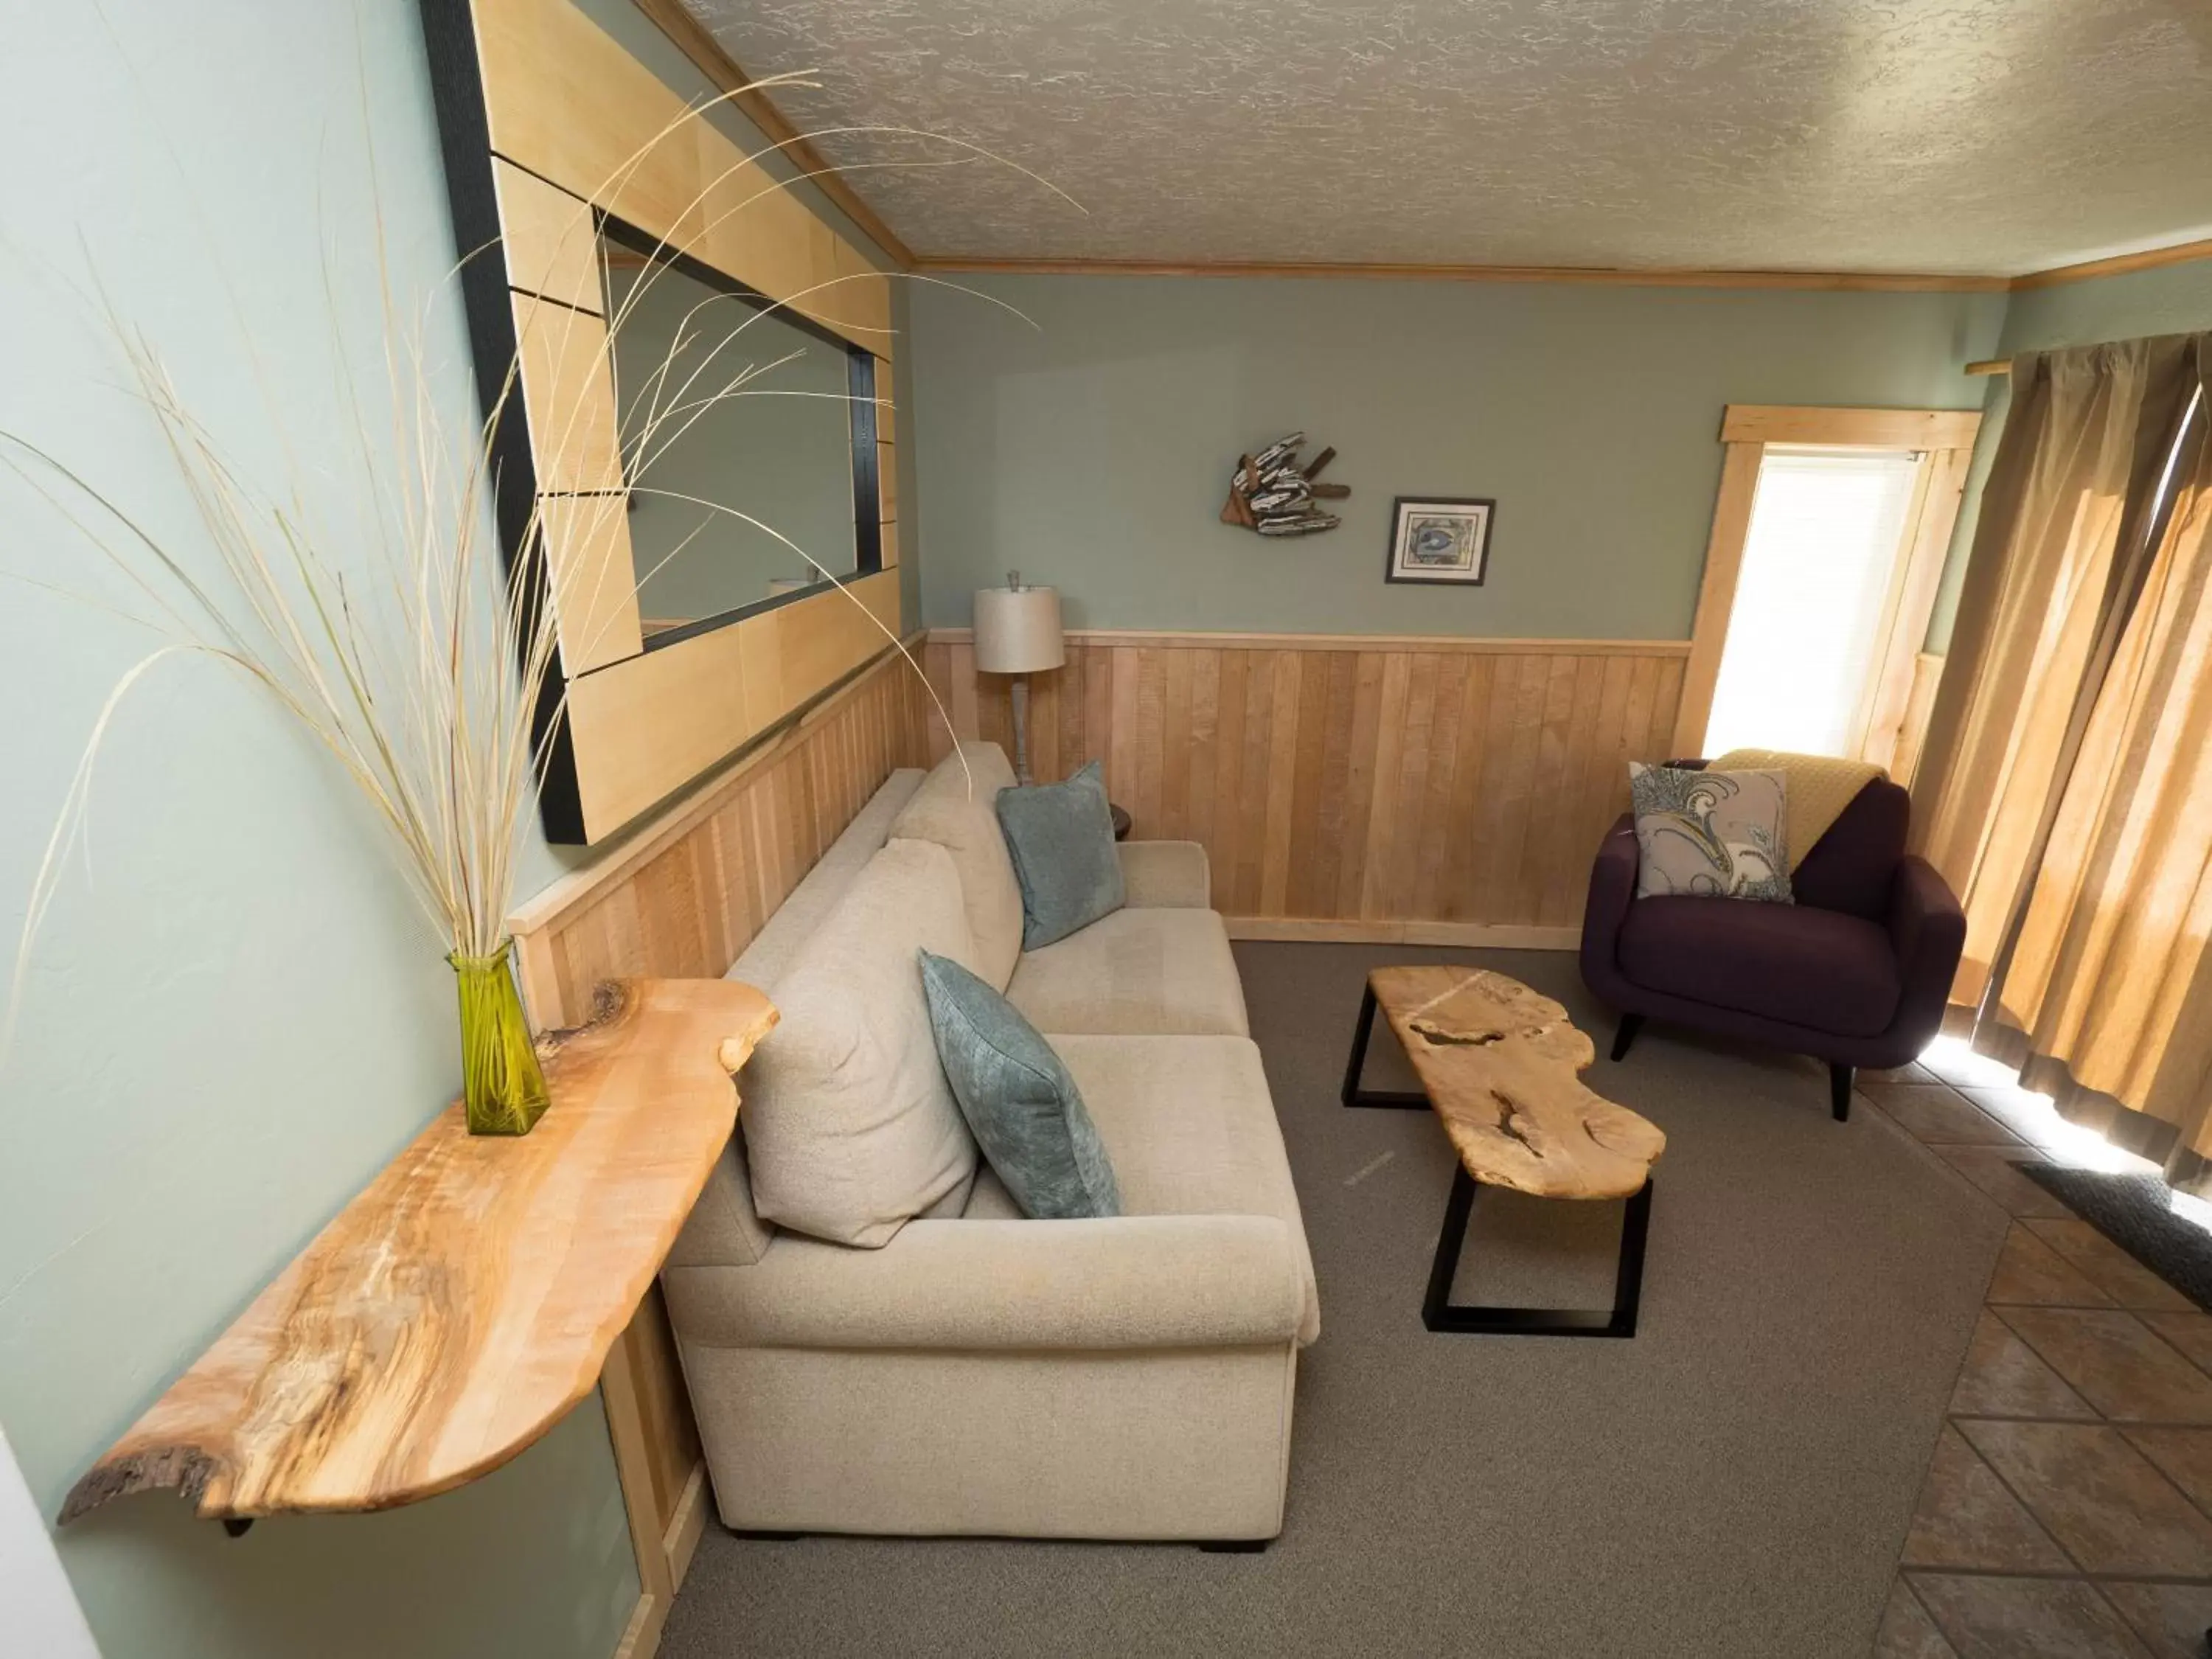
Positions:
(1736, 1481)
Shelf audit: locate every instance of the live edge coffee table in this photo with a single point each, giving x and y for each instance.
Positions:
(1499, 1063)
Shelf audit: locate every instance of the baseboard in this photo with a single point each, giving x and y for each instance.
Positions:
(641, 1639)
(1473, 935)
(684, 1528)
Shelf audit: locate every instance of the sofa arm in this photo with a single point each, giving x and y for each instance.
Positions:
(1166, 875)
(1927, 931)
(1611, 891)
(1154, 1281)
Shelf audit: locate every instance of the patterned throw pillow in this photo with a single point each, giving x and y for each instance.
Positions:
(1711, 835)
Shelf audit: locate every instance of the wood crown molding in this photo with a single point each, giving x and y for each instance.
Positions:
(1188, 640)
(1864, 281)
(2121, 264)
(1869, 282)
(690, 37)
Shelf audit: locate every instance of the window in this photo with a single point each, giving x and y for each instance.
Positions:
(1815, 580)
(1827, 548)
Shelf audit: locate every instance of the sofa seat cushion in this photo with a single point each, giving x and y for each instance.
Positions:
(955, 808)
(1818, 969)
(1191, 1130)
(1141, 972)
(989, 1201)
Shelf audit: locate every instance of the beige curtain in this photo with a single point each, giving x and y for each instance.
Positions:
(2067, 791)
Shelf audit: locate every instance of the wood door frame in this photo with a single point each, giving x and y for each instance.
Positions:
(1945, 438)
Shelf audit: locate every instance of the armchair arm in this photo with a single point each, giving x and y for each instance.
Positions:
(1928, 930)
(1165, 875)
(1153, 1281)
(1611, 891)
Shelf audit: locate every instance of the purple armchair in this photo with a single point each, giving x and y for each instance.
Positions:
(1855, 973)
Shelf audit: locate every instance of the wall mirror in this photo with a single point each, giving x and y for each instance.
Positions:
(726, 401)
(685, 635)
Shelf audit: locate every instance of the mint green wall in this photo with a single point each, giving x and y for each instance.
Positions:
(1095, 453)
(2171, 299)
(236, 1016)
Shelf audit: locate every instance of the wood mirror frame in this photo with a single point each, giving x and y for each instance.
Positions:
(550, 129)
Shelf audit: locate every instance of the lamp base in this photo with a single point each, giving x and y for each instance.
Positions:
(1021, 695)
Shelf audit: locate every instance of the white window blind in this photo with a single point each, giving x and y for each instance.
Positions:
(1809, 602)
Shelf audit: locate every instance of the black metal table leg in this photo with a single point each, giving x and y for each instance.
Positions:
(1353, 1095)
(1440, 1313)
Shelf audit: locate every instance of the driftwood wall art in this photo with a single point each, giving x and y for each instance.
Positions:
(1274, 494)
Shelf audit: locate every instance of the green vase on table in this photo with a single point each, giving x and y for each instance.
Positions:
(502, 1086)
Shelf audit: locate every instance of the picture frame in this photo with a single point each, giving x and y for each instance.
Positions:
(1440, 540)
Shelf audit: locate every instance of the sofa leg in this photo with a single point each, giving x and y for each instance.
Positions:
(1625, 1033)
(1839, 1091)
(1234, 1546)
(759, 1536)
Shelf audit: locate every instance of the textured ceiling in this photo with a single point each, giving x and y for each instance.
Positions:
(1948, 136)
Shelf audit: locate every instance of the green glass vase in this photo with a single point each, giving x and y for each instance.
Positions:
(502, 1087)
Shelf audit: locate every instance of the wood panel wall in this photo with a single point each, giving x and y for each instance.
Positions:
(685, 897)
(681, 898)
(1353, 786)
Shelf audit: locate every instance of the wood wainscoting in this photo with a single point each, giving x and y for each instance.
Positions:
(685, 897)
(1385, 788)
(680, 900)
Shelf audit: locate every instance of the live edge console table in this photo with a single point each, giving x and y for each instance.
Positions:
(457, 1308)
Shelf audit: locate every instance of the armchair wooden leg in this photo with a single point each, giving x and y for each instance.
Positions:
(1839, 1091)
(1625, 1033)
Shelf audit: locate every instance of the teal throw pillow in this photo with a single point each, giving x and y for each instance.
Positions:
(1018, 1099)
(1060, 836)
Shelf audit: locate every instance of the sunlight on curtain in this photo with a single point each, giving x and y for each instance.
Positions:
(1818, 562)
(2111, 975)
(2073, 451)
(2071, 800)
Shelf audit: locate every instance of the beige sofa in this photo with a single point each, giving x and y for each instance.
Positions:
(961, 1368)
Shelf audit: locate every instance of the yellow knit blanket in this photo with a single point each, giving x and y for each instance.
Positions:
(1819, 787)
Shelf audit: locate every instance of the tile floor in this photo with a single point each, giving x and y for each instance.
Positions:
(2065, 1512)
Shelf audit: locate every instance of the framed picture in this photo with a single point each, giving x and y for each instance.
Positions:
(1439, 540)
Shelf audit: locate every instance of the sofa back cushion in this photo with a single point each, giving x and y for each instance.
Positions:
(959, 815)
(851, 1127)
(1851, 867)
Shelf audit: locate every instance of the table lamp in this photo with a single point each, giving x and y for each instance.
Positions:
(1018, 633)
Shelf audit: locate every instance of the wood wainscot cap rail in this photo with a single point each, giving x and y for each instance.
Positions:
(457, 1308)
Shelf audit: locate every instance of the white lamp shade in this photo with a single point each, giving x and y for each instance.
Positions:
(1017, 630)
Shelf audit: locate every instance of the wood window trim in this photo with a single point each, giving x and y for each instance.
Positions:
(1946, 438)
(1856, 428)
